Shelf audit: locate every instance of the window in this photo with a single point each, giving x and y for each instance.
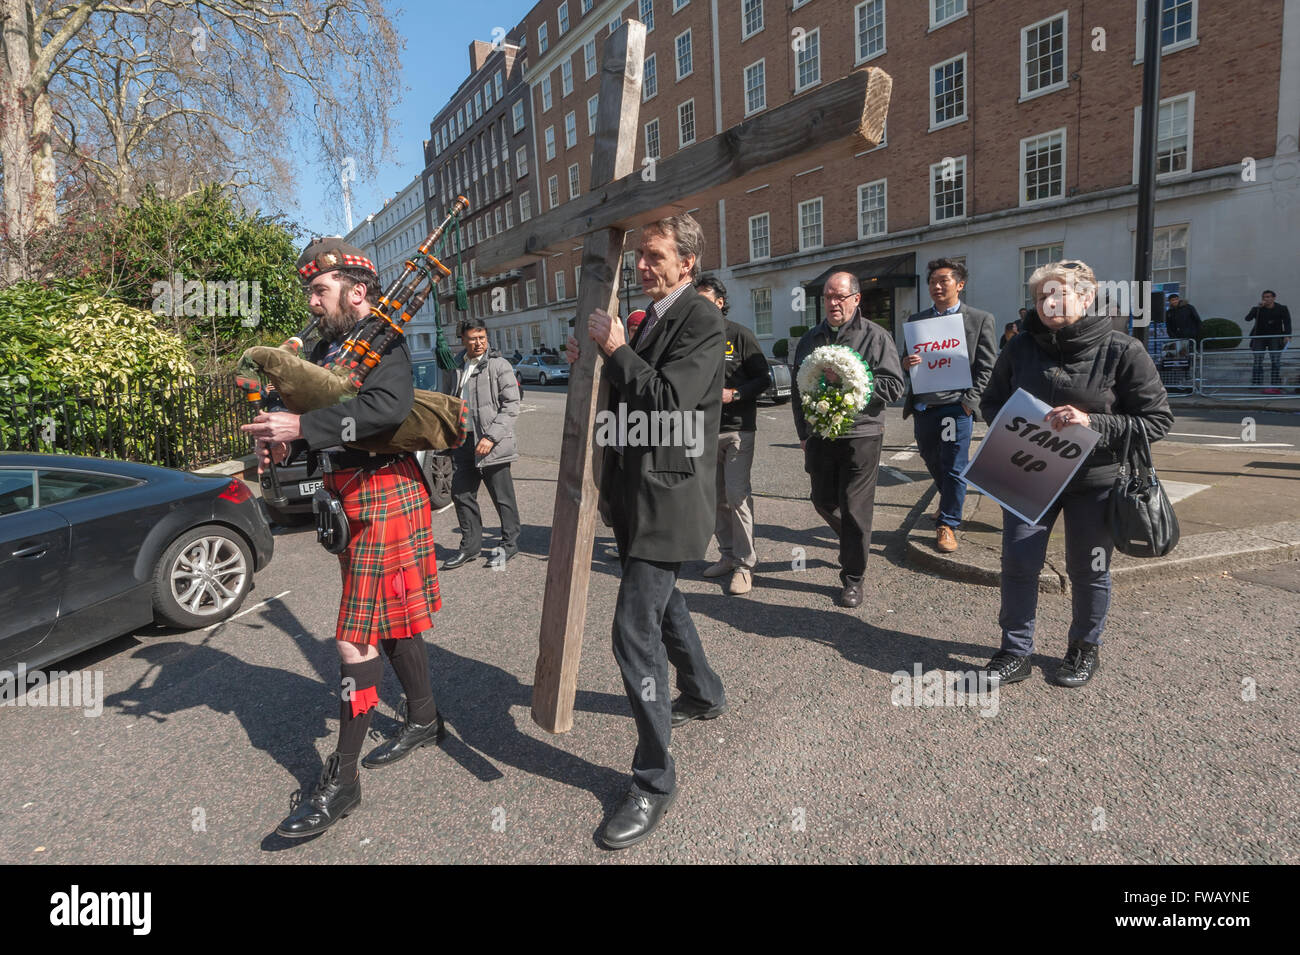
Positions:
(646, 14)
(577, 279)
(586, 5)
(573, 181)
(810, 224)
(751, 18)
(1173, 136)
(549, 137)
(1168, 257)
(542, 41)
(487, 95)
(521, 162)
(869, 18)
(566, 77)
(652, 139)
(593, 107)
(589, 58)
(760, 243)
(497, 217)
(517, 111)
(553, 190)
(478, 104)
(1030, 260)
(945, 11)
(684, 65)
(561, 292)
(755, 87)
(1042, 167)
(760, 304)
(948, 95)
(510, 216)
(562, 15)
(948, 189)
(546, 92)
(530, 292)
(497, 82)
(615, 23)
(525, 206)
(1177, 26)
(678, 4)
(872, 220)
(649, 78)
(1042, 56)
(686, 123)
(808, 61)
(570, 129)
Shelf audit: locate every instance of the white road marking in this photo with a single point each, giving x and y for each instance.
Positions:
(1243, 444)
(249, 610)
(903, 456)
(1181, 490)
(1193, 434)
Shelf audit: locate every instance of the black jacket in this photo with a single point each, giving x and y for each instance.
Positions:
(1088, 365)
(876, 346)
(663, 496)
(1269, 321)
(1183, 321)
(745, 369)
(981, 351)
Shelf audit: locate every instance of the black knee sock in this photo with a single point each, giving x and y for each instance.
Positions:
(410, 659)
(359, 692)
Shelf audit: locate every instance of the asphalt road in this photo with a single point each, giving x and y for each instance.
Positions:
(1182, 750)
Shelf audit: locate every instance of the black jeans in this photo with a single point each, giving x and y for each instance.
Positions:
(843, 475)
(464, 492)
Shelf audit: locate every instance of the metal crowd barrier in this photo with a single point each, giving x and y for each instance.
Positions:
(1261, 368)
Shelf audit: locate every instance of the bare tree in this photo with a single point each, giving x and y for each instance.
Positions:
(122, 93)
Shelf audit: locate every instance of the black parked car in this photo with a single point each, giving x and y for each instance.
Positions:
(91, 549)
(298, 488)
(778, 392)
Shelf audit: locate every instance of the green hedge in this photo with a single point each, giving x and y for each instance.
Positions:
(1228, 331)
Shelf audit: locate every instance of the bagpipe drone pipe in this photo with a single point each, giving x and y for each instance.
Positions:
(437, 422)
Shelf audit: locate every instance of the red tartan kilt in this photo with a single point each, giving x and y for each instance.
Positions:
(390, 570)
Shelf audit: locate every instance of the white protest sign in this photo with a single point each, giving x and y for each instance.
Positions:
(1022, 463)
(941, 343)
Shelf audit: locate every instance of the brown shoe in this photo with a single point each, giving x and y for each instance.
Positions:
(945, 540)
(741, 582)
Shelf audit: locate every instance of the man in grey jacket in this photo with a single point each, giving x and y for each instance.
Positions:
(843, 470)
(486, 383)
(943, 420)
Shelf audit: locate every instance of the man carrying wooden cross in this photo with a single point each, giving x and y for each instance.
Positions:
(657, 488)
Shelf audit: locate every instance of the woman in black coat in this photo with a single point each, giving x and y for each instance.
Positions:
(1090, 375)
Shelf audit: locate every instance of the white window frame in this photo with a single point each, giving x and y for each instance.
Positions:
(543, 40)
(659, 146)
(744, 83)
(754, 296)
(561, 287)
(650, 68)
(517, 115)
(562, 18)
(593, 110)
(1024, 166)
(498, 82)
(570, 129)
(1193, 40)
(680, 5)
(1187, 253)
(548, 138)
(1064, 81)
(553, 190)
(525, 206)
(884, 44)
(487, 95)
(884, 186)
(762, 21)
(575, 181)
(521, 162)
(1025, 272)
(800, 87)
(646, 14)
(964, 166)
(510, 215)
(1191, 133)
(965, 92)
(530, 292)
(682, 142)
(821, 223)
(566, 78)
(934, 9)
(677, 54)
(586, 5)
(766, 218)
(589, 65)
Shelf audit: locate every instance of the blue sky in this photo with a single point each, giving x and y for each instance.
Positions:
(434, 63)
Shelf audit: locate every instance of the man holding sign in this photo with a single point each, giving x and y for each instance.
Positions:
(950, 350)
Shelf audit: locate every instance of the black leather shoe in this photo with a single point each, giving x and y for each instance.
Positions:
(500, 555)
(332, 800)
(686, 709)
(851, 595)
(1082, 662)
(1007, 668)
(413, 736)
(456, 559)
(635, 819)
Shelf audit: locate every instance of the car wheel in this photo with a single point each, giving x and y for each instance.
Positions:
(542, 380)
(202, 578)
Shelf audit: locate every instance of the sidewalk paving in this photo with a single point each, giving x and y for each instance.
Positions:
(1235, 509)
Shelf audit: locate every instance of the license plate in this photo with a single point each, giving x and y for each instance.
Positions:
(782, 392)
(308, 488)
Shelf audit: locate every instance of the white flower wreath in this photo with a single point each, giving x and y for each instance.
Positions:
(834, 385)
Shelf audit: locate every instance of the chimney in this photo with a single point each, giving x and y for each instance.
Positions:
(479, 51)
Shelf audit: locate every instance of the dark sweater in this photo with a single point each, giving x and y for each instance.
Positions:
(876, 346)
(745, 368)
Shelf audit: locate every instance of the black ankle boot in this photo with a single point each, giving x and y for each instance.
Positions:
(332, 800)
(412, 737)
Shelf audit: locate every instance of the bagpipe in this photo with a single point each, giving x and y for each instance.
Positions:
(280, 379)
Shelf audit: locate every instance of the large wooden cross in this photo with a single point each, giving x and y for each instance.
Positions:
(848, 114)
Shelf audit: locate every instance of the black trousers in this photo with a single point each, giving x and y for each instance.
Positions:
(652, 628)
(465, 481)
(843, 475)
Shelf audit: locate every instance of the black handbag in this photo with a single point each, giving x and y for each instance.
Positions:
(1141, 520)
